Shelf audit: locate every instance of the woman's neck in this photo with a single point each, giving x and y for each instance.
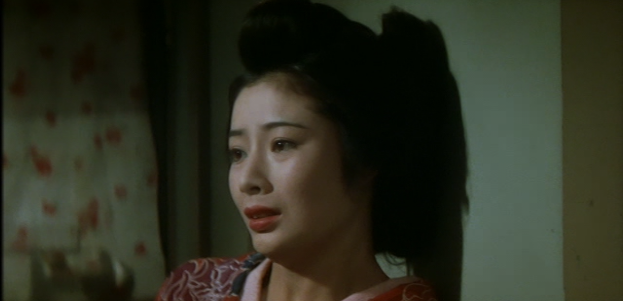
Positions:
(331, 273)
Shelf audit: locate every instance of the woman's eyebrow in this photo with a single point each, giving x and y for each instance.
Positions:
(268, 126)
(275, 124)
(233, 133)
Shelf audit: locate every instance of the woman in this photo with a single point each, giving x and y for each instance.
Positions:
(343, 145)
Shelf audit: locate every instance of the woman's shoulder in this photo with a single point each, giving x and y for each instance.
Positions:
(202, 278)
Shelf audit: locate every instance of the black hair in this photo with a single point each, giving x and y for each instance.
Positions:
(394, 99)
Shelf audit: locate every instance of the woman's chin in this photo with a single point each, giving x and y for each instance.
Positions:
(269, 244)
(264, 244)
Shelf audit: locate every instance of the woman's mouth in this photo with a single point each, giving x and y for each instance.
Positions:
(262, 219)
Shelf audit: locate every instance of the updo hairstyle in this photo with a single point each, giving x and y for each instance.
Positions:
(392, 96)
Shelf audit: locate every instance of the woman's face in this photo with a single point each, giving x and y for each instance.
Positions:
(286, 172)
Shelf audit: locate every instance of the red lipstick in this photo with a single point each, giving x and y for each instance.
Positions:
(261, 218)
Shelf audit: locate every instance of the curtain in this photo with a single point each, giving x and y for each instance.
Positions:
(79, 165)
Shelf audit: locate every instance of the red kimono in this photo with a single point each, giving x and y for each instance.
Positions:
(240, 279)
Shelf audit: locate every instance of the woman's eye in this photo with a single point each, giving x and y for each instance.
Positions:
(235, 155)
(283, 145)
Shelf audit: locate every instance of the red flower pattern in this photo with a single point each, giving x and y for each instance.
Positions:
(49, 209)
(88, 218)
(121, 192)
(86, 108)
(21, 241)
(50, 117)
(22, 83)
(140, 249)
(18, 86)
(113, 135)
(42, 163)
(83, 63)
(98, 141)
(44, 166)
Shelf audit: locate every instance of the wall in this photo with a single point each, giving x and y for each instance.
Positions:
(592, 56)
(506, 57)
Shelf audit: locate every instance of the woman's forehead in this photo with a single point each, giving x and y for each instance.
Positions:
(272, 99)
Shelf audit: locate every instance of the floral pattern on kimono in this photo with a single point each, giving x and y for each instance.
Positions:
(212, 279)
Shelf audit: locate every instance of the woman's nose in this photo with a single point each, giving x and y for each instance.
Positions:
(254, 177)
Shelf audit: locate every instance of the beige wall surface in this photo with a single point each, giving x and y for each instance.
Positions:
(592, 55)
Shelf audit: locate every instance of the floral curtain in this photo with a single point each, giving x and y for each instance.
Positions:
(79, 167)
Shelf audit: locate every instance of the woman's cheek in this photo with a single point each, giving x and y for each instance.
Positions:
(233, 188)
